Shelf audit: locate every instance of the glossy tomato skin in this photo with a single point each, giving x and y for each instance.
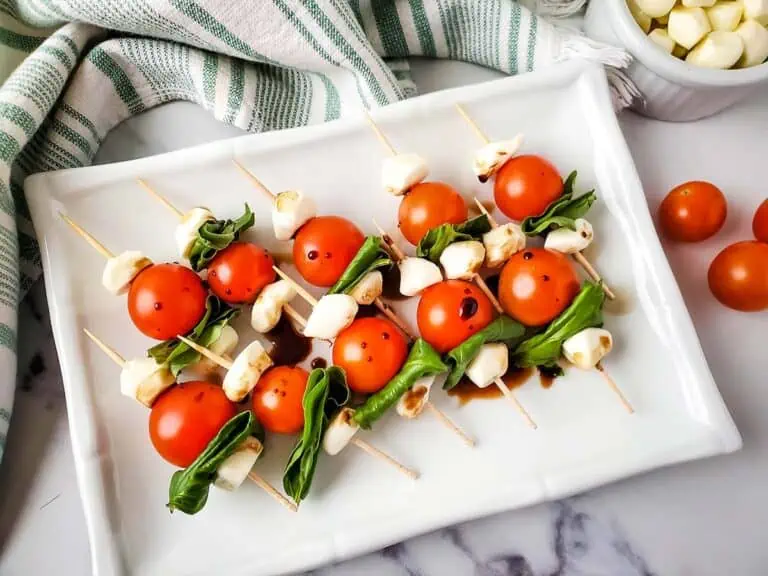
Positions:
(692, 212)
(525, 185)
(428, 205)
(239, 272)
(536, 285)
(760, 222)
(451, 311)
(185, 418)
(371, 351)
(324, 247)
(166, 300)
(277, 399)
(738, 276)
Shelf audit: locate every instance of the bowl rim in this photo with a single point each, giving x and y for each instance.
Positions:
(673, 68)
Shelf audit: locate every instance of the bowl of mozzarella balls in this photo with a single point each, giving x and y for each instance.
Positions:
(692, 58)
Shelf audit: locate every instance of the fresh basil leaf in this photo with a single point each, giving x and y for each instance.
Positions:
(503, 329)
(544, 348)
(326, 392)
(370, 257)
(215, 235)
(433, 243)
(188, 490)
(562, 212)
(422, 361)
(178, 355)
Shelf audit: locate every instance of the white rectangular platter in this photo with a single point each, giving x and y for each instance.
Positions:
(584, 439)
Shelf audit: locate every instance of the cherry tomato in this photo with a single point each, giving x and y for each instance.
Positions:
(185, 418)
(323, 248)
(738, 276)
(760, 223)
(536, 285)
(371, 351)
(525, 186)
(166, 300)
(277, 399)
(239, 272)
(692, 212)
(428, 205)
(451, 311)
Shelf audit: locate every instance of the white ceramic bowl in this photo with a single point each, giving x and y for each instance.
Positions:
(672, 90)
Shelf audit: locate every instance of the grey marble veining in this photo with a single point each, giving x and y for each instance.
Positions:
(699, 519)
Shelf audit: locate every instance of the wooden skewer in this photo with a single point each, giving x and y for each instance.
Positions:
(584, 263)
(487, 291)
(162, 199)
(512, 398)
(443, 417)
(113, 354)
(472, 123)
(212, 356)
(98, 246)
(448, 423)
(256, 182)
(615, 387)
(385, 309)
(380, 135)
(311, 300)
(485, 212)
(383, 456)
(294, 315)
(396, 251)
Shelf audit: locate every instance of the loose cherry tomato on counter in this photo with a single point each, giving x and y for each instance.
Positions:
(371, 351)
(760, 222)
(428, 205)
(738, 276)
(166, 300)
(239, 272)
(525, 185)
(451, 311)
(277, 399)
(536, 285)
(324, 247)
(185, 418)
(692, 212)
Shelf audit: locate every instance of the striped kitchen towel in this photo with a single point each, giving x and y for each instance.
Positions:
(73, 69)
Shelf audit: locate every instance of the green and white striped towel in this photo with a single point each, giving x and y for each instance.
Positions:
(76, 68)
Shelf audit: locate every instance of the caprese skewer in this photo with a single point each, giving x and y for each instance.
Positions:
(149, 384)
(563, 239)
(490, 361)
(359, 343)
(294, 215)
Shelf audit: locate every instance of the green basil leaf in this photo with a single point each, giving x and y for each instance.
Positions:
(178, 355)
(215, 235)
(188, 490)
(433, 243)
(562, 212)
(370, 257)
(503, 329)
(326, 392)
(422, 361)
(544, 348)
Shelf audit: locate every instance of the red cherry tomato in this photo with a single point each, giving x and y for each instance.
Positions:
(324, 247)
(239, 272)
(451, 311)
(428, 205)
(536, 285)
(166, 300)
(185, 418)
(277, 399)
(738, 276)
(525, 186)
(692, 212)
(760, 223)
(371, 351)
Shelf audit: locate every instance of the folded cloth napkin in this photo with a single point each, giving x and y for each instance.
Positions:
(261, 65)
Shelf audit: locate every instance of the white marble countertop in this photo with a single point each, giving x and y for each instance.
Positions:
(703, 518)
